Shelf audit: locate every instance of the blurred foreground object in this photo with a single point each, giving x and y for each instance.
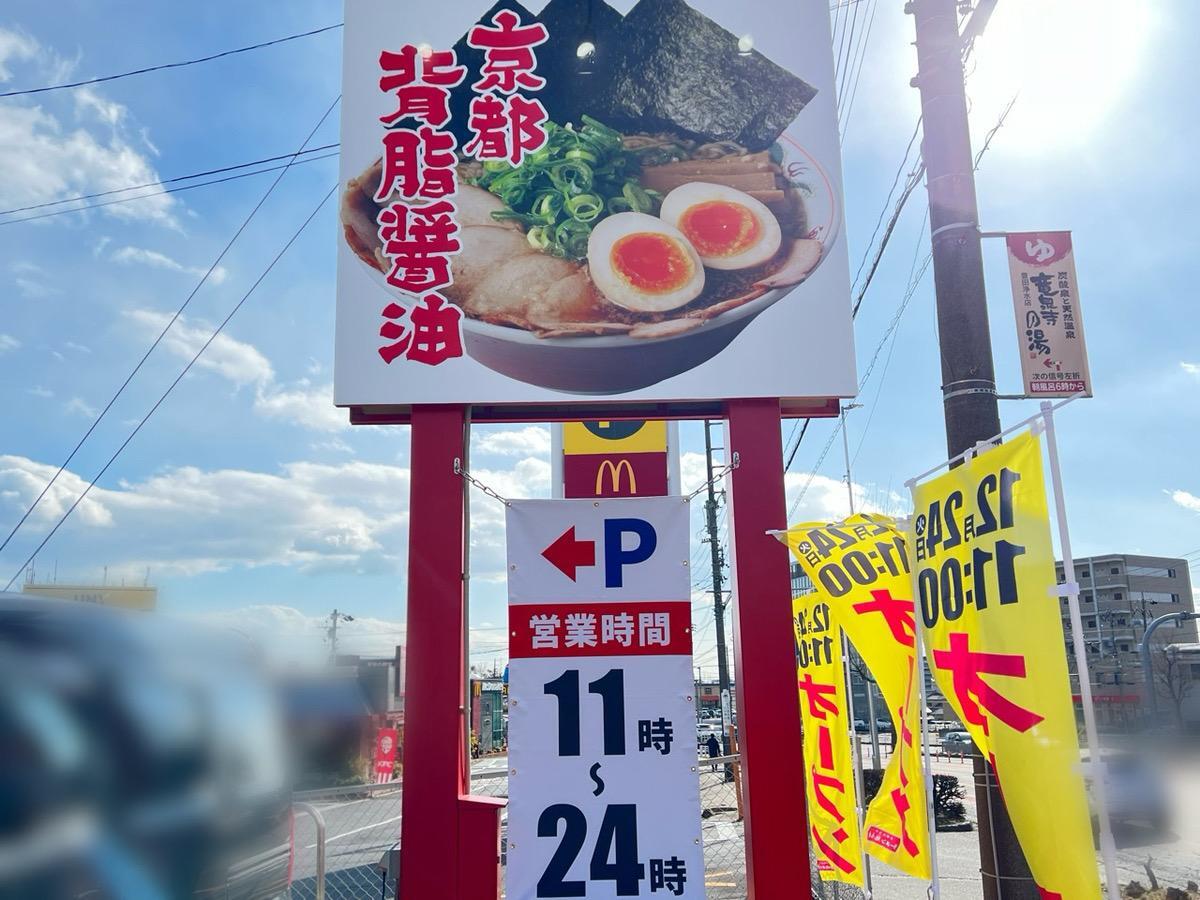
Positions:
(143, 757)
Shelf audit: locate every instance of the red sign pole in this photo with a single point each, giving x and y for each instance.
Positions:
(768, 708)
(449, 842)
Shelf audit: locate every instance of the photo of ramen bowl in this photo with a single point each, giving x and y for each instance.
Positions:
(603, 315)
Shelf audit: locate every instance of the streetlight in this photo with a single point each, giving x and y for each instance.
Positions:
(1147, 666)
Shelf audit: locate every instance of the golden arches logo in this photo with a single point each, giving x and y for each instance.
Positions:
(614, 471)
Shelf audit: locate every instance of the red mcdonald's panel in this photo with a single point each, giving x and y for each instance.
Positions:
(614, 475)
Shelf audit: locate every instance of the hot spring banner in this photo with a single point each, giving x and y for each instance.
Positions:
(829, 764)
(1045, 289)
(860, 569)
(638, 200)
(984, 568)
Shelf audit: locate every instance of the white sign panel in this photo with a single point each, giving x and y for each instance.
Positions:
(528, 217)
(628, 549)
(603, 785)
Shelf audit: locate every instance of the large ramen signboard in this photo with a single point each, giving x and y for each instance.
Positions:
(573, 200)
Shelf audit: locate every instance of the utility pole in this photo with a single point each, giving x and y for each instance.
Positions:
(718, 563)
(331, 632)
(968, 375)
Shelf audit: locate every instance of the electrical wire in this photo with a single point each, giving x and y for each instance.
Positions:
(858, 67)
(175, 190)
(174, 65)
(175, 180)
(178, 312)
(212, 337)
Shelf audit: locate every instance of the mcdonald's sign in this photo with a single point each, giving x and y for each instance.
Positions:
(613, 475)
(615, 459)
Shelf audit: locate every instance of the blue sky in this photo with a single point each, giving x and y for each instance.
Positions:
(249, 498)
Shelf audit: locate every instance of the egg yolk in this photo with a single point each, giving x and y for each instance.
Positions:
(719, 227)
(651, 262)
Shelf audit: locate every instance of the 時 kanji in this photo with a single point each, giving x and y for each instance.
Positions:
(898, 614)
(668, 875)
(505, 129)
(657, 733)
(508, 57)
(967, 668)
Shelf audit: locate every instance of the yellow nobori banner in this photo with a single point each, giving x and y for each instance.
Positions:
(829, 767)
(860, 569)
(984, 569)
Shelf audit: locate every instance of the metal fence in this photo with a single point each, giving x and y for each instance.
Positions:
(362, 823)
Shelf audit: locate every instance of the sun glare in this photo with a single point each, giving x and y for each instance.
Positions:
(1071, 60)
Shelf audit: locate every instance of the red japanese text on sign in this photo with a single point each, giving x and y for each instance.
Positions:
(608, 629)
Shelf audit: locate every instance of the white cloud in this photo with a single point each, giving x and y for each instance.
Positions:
(310, 407)
(14, 47)
(8, 342)
(301, 403)
(230, 358)
(1186, 500)
(1191, 368)
(351, 516)
(78, 348)
(531, 440)
(81, 407)
(155, 260)
(85, 149)
(39, 391)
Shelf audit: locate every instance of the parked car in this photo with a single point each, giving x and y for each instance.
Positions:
(142, 759)
(1134, 789)
(957, 742)
(861, 726)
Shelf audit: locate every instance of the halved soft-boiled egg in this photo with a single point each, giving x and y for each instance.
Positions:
(643, 263)
(728, 227)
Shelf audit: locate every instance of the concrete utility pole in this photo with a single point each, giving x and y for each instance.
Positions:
(968, 375)
(718, 563)
(331, 632)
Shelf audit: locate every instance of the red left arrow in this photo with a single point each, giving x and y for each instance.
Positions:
(567, 554)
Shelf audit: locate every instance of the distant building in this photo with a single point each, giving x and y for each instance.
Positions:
(140, 598)
(1119, 594)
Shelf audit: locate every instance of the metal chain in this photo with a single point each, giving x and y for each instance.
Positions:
(717, 476)
(459, 470)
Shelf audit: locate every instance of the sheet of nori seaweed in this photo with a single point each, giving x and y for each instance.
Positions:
(677, 70)
(460, 97)
(568, 93)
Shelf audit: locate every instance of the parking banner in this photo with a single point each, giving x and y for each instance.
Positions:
(860, 569)
(604, 794)
(985, 576)
(828, 762)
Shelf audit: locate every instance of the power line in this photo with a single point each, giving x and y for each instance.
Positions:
(174, 190)
(178, 178)
(212, 337)
(183, 306)
(858, 67)
(174, 65)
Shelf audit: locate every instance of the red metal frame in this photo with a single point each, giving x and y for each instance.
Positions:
(449, 841)
(777, 863)
(802, 407)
